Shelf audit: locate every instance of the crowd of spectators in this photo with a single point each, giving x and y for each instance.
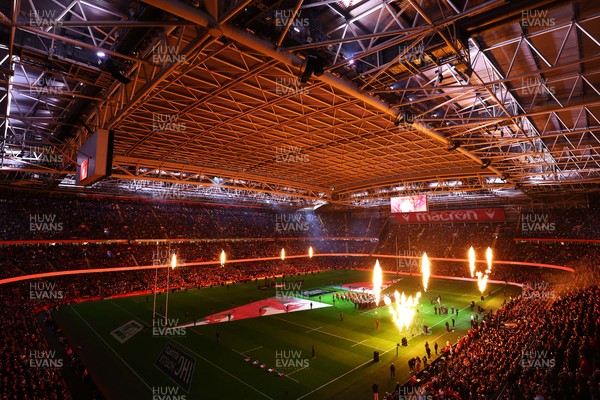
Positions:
(440, 240)
(487, 363)
(560, 224)
(28, 370)
(537, 347)
(454, 240)
(564, 352)
(63, 217)
(480, 362)
(31, 259)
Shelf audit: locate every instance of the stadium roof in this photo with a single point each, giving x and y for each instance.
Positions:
(472, 102)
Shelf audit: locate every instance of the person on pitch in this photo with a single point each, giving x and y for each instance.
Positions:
(375, 391)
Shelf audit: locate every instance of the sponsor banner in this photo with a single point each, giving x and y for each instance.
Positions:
(449, 216)
(177, 365)
(537, 223)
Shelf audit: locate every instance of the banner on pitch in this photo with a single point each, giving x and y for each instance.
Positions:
(177, 365)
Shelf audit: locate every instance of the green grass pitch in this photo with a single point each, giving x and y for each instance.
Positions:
(342, 369)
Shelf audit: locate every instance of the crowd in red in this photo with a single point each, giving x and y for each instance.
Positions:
(540, 347)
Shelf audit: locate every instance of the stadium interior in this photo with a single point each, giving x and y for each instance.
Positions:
(300, 199)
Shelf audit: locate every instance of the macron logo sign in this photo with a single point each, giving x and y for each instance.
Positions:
(473, 215)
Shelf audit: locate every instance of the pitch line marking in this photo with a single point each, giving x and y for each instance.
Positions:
(314, 329)
(109, 346)
(181, 346)
(130, 313)
(293, 372)
(285, 375)
(358, 343)
(341, 376)
(368, 361)
(326, 333)
(189, 350)
(256, 348)
(145, 323)
(216, 366)
(243, 353)
(453, 315)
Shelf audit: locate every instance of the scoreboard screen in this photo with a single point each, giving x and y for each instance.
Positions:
(94, 158)
(406, 204)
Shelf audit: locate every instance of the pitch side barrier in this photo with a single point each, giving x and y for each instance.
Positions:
(245, 260)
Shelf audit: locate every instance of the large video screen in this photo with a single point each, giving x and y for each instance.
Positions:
(406, 204)
(94, 158)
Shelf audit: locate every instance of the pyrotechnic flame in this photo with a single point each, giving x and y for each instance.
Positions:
(310, 252)
(222, 258)
(482, 277)
(488, 257)
(403, 309)
(425, 271)
(377, 282)
(472, 261)
(174, 261)
(282, 253)
(481, 281)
